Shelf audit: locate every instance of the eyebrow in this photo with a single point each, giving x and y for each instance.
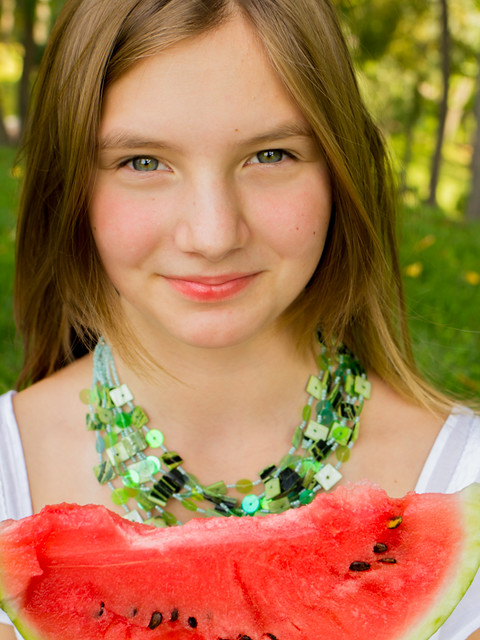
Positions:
(128, 140)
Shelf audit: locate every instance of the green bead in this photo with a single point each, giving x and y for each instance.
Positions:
(154, 438)
(251, 504)
(169, 518)
(122, 420)
(105, 415)
(314, 387)
(340, 434)
(307, 412)
(297, 437)
(131, 478)
(110, 439)
(85, 396)
(155, 464)
(120, 496)
(188, 504)
(218, 488)
(138, 418)
(244, 486)
(306, 496)
(279, 506)
(343, 454)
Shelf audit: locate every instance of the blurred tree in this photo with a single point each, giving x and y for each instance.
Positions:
(473, 209)
(26, 12)
(443, 108)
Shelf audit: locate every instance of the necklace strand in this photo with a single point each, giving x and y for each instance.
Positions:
(328, 430)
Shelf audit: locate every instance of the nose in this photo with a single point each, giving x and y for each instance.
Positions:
(212, 223)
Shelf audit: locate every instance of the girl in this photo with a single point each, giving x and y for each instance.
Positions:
(207, 227)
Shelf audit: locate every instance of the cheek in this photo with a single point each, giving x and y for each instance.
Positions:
(125, 230)
(296, 222)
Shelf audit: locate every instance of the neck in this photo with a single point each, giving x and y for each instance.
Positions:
(215, 391)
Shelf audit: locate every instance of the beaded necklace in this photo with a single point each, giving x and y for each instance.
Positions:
(320, 444)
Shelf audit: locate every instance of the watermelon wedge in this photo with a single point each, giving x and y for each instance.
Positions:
(352, 564)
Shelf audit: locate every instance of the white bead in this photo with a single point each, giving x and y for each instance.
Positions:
(316, 431)
(328, 476)
(121, 395)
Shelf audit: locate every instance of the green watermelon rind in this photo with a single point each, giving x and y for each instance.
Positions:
(459, 581)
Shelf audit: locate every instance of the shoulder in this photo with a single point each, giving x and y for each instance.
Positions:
(55, 398)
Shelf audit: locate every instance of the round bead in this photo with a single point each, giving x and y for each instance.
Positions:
(154, 464)
(131, 478)
(343, 454)
(244, 486)
(85, 396)
(105, 415)
(251, 504)
(154, 438)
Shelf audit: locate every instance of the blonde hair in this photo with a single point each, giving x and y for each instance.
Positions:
(63, 296)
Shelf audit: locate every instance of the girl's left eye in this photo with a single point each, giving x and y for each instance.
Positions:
(143, 163)
(270, 156)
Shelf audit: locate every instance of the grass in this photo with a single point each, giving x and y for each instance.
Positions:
(441, 262)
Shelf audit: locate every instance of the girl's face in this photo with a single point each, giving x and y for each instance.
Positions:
(212, 200)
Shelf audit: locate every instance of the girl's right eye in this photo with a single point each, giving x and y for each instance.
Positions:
(143, 163)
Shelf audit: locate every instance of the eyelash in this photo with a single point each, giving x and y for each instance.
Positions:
(285, 154)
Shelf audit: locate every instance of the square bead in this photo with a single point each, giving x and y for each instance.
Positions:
(133, 516)
(315, 387)
(104, 472)
(117, 454)
(328, 477)
(121, 395)
(138, 417)
(272, 488)
(316, 431)
(363, 387)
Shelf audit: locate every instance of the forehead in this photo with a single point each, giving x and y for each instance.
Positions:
(219, 82)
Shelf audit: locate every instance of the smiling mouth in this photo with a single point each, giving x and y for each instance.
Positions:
(211, 289)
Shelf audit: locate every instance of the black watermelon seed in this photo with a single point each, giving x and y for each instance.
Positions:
(240, 637)
(134, 612)
(380, 547)
(395, 522)
(271, 636)
(359, 566)
(192, 622)
(388, 560)
(102, 609)
(174, 615)
(155, 620)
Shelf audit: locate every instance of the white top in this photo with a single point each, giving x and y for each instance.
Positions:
(452, 464)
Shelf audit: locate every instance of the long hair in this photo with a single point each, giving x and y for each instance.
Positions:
(63, 297)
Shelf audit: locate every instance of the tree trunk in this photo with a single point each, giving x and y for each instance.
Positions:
(442, 117)
(473, 208)
(27, 9)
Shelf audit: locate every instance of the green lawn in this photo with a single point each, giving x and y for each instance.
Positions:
(441, 261)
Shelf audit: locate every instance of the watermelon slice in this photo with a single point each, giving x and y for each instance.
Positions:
(352, 564)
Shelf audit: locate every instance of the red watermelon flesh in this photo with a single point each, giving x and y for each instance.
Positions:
(352, 564)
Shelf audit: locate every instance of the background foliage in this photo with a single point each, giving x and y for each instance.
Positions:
(419, 69)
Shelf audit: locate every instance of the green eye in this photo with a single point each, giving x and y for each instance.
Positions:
(270, 156)
(144, 164)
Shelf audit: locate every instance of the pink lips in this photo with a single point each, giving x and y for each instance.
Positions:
(211, 289)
